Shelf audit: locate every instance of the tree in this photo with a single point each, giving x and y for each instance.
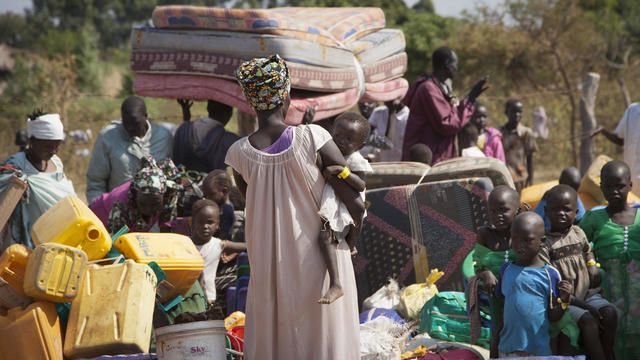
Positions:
(424, 6)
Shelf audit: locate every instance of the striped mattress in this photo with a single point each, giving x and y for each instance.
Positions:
(378, 45)
(303, 76)
(328, 26)
(228, 92)
(242, 45)
(385, 91)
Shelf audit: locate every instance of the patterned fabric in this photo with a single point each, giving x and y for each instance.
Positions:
(408, 231)
(149, 178)
(450, 213)
(378, 45)
(229, 92)
(385, 69)
(475, 167)
(265, 82)
(385, 91)
(328, 26)
(253, 45)
(309, 77)
(622, 265)
(567, 253)
(384, 246)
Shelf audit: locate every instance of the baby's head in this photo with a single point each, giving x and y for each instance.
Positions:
(527, 235)
(420, 153)
(570, 176)
(350, 131)
(504, 205)
(562, 207)
(468, 136)
(216, 186)
(615, 182)
(205, 217)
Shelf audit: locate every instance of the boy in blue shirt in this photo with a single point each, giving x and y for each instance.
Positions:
(533, 291)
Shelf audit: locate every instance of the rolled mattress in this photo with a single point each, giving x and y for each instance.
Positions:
(229, 92)
(241, 45)
(329, 26)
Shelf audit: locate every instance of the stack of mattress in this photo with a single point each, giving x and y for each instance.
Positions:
(192, 52)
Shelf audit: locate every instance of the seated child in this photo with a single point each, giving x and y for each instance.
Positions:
(569, 176)
(566, 248)
(205, 218)
(532, 290)
(468, 141)
(350, 131)
(493, 249)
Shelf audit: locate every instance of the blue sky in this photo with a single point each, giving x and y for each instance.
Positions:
(443, 7)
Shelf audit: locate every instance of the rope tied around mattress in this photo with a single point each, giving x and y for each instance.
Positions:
(358, 67)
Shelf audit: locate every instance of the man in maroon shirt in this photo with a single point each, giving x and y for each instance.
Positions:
(436, 115)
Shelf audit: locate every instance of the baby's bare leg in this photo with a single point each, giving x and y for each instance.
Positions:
(328, 250)
(353, 235)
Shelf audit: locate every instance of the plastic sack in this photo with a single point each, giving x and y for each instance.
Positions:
(380, 339)
(414, 296)
(234, 320)
(374, 313)
(387, 297)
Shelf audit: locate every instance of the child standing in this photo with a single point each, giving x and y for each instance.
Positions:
(493, 249)
(532, 290)
(519, 145)
(615, 233)
(206, 216)
(350, 131)
(566, 248)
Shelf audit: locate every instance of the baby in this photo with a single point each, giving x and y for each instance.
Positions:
(350, 131)
(568, 250)
(205, 218)
(533, 292)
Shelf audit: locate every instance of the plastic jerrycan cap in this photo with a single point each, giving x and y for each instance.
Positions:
(92, 233)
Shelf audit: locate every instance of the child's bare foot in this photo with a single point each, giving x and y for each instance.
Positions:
(333, 294)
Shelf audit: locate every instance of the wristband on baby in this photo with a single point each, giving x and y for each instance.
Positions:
(345, 173)
(592, 263)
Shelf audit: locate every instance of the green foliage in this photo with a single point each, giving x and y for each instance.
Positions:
(424, 6)
(424, 32)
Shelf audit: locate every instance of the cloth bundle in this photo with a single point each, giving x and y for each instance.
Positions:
(336, 56)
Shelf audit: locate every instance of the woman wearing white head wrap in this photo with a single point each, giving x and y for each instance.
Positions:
(42, 169)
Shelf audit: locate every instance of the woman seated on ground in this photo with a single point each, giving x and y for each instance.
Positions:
(44, 174)
(145, 204)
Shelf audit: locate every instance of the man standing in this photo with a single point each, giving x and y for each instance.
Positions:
(626, 135)
(436, 115)
(120, 146)
(519, 145)
(202, 144)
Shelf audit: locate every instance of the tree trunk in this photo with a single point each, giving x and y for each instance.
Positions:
(625, 92)
(572, 100)
(588, 118)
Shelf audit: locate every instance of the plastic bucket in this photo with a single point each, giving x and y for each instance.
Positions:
(196, 340)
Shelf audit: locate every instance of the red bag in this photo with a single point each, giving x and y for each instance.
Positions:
(457, 354)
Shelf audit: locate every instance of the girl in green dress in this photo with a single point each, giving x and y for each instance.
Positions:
(493, 248)
(615, 233)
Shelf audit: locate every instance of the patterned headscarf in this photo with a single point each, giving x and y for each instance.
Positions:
(149, 178)
(265, 82)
